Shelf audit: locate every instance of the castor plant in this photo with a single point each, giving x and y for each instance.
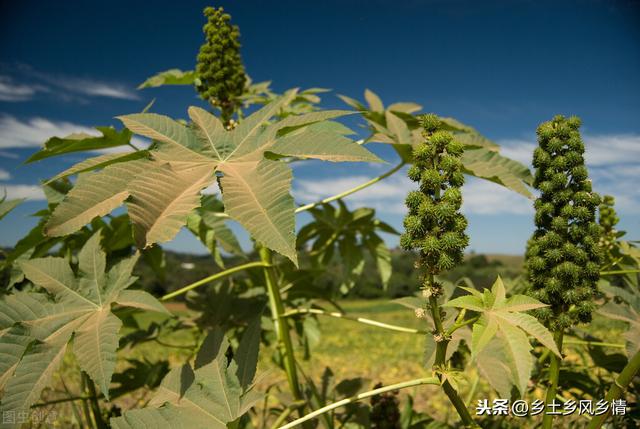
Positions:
(219, 68)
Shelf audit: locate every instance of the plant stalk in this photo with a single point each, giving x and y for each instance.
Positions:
(440, 360)
(212, 278)
(93, 401)
(618, 388)
(612, 273)
(352, 190)
(285, 345)
(364, 395)
(554, 373)
(353, 319)
(593, 343)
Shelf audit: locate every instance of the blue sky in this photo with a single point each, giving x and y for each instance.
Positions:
(500, 66)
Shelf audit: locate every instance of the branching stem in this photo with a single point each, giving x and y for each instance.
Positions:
(442, 342)
(554, 373)
(338, 315)
(212, 278)
(618, 388)
(285, 345)
(352, 190)
(364, 395)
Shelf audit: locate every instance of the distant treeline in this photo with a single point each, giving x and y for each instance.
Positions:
(181, 269)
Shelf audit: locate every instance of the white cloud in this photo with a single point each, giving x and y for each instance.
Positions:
(600, 149)
(386, 196)
(11, 91)
(30, 192)
(613, 161)
(94, 88)
(65, 87)
(612, 149)
(35, 131)
(484, 197)
(4, 174)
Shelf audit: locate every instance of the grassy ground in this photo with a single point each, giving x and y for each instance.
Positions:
(350, 349)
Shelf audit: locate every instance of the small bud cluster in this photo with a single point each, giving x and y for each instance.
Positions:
(563, 256)
(608, 220)
(434, 226)
(219, 67)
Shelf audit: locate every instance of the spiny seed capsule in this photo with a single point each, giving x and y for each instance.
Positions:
(441, 240)
(607, 220)
(219, 67)
(562, 257)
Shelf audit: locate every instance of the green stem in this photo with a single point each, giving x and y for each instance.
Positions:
(352, 190)
(281, 325)
(85, 402)
(364, 395)
(212, 278)
(95, 405)
(619, 386)
(370, 322)
(593, 343)
(440, 360)
(472, 391)
(286, 413)
(554, 373)
(461, 324)
(63, 400)
(612, 273)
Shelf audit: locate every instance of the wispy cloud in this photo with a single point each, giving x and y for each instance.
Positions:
(12, 91)
(30, 192)
(15, 133)
(31, 82)
(94, 88)
(34, 132)
(4, 174)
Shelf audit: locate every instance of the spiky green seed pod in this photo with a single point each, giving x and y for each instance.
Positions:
(219, 66)
(437, 167)
(562, 257)
(608, 219)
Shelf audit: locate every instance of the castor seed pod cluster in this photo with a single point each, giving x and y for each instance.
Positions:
(434, 226)
(608, 219)
(219, 67)
(563, 255)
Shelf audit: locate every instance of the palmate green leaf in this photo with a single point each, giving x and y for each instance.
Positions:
(211, 229)
(7, 205)
(481, 157)
(257, 195)
(95, 344)
(502, 318)
(94, 195)
(339, 232)
(255, 189)
(82, 142)
(490, 165)
(36, 327)
(627, 310)
(209, 396)
(170, 77)
(99, 162)
(161, 200)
